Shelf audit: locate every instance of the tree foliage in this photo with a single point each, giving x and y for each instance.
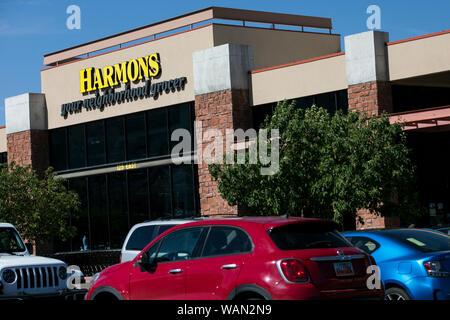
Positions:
(39, 207)
(329, 167)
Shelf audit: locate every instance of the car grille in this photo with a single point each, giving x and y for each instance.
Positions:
(37, 277)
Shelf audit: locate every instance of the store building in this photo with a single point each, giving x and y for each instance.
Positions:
(107, 109)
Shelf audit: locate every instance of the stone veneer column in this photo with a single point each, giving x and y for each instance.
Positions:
(221, 86)
(27, 137)
(369, 91)
(26, 130)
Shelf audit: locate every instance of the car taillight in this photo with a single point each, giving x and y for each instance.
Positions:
(120, 258)
(293, 270)
(434, 269)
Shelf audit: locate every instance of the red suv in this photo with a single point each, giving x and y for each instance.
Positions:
(242, 258)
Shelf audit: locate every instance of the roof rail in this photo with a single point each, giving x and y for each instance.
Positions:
(186, 20)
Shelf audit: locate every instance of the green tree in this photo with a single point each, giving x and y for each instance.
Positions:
(39, 207)
(329, 167)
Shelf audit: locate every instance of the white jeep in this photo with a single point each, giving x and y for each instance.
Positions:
(23, 276)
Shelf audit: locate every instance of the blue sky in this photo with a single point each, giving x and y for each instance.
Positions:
(31, 28)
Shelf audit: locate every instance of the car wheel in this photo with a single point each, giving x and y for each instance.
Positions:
(396, 294)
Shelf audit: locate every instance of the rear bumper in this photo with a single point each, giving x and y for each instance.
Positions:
(59, 295)
(429, 288)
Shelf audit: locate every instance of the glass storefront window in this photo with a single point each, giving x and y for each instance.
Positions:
(117, 189)
(138, 196)
(160, 192)
(158, 137)
(183, 193)
(81, 220)
(99, 226)
(115, 140)
(136, 136)
(77, 147)
(58, 149)
(179, 118)
(95, 133)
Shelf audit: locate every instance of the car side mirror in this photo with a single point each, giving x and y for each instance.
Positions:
(29, 247)
(145, 265)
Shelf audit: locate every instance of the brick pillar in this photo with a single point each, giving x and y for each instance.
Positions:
(29, 148)
(369, 91)
(221, 102)
(371, 97)
(27, 137)
(26, 129)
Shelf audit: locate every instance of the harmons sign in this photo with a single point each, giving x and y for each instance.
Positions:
(107, 79)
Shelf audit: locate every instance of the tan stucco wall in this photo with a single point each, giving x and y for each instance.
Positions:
(61, 84)
(3, 144)
(275, 47)
(419, 57)
(299, 80)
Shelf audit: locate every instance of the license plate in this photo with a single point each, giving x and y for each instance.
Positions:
(343, 269)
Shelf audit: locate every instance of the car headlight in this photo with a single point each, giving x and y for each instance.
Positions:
(62, 272)
(9, 276)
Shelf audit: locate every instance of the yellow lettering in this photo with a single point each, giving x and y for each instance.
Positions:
(98, 84)
(108, 76)
(85, 79)
(143, 66)
(154, 64)
(132, 70)
(120, 73)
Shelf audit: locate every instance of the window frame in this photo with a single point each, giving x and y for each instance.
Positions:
(252, 248)
(377, 244)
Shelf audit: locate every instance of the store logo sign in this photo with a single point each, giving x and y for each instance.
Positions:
(93, 80)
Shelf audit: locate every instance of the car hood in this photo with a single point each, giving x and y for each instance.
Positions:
(14, 261)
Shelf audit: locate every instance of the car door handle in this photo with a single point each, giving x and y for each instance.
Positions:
(174, 271)
(229, 266)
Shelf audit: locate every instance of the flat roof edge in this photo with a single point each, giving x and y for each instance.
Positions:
(183, 21)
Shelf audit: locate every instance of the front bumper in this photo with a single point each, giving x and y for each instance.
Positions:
(59, 295)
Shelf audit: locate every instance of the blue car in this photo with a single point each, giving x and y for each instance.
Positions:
(414, 263)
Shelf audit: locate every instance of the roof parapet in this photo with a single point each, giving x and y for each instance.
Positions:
(186, 20)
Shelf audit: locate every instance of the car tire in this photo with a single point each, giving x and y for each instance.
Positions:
(396, 294)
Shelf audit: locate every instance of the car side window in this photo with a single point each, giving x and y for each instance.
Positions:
(140, 238)
(223, 240)
(179, 245)
(367, 245)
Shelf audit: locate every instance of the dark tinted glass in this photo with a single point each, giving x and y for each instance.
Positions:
(98, 213)
(164, 227)
(141, 237)
(10, 241)
(160, 199)
(183, 193)
(118, 210)
(305, 102)
(307, 236)
(421, 240)
(136, 147)
(179, 245)
(95, 132)
(342, 100)
(3, 157)
(179, 118)
(115, 140)
(58, 149)
(77, 150)
(158, 138)
(81, 220)
(365, 244)
(138, 196)
(226, 240)
(327, 101)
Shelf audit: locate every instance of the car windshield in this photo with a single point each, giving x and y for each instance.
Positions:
(300, 236)
(421, 240)
(10, 241)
